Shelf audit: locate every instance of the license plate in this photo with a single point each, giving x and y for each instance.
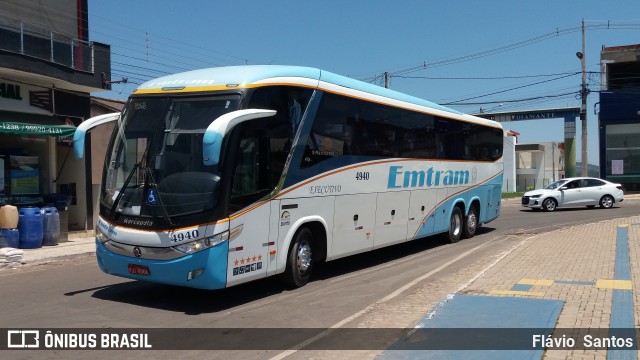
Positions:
(138, 269)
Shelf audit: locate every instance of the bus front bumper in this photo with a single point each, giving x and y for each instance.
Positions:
(206, 269)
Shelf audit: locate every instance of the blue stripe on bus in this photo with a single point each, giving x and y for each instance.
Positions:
(487, 213)
(335, 163)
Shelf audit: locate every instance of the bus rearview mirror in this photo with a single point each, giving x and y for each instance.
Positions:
(81, 132)
(216, 131)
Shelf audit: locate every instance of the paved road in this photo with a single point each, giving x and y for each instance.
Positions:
(392, 287)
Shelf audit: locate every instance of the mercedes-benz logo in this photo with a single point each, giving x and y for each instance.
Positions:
(137, 252)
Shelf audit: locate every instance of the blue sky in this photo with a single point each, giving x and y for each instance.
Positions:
(452, 52)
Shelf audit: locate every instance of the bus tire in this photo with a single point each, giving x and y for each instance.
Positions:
(299, 260)
(470, 223)
(455, 225)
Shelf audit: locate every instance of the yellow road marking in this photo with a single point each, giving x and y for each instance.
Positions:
(614, 284)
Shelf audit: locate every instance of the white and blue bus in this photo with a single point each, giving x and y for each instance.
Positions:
(221, 176)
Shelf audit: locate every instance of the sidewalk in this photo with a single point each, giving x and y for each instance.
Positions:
(79, 243)
(575, 283)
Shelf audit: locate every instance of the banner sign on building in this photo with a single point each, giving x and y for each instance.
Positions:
(617, 167)
(25, 98)
(25, 175)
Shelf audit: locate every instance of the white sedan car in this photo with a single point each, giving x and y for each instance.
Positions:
(582, 191)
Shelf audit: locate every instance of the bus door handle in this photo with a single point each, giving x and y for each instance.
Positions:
(355, 217)
(393, 212)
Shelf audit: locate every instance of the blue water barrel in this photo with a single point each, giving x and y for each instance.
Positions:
(30, 227)
(9, 238)
(50, 226)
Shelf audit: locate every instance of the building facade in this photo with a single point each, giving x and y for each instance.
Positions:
(48, 69)
(538, 165)
(619, 116)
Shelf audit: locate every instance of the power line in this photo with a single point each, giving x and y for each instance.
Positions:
(482, 78)
(171, 60)
(512, 100)
(512, 46)
(513, 88)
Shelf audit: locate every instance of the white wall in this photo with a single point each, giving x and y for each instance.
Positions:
(536, 169)
(509, 158)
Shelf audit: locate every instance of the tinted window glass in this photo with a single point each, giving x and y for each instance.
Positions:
(289, 103)
(346, 126)
(573, 184)
(594, 182)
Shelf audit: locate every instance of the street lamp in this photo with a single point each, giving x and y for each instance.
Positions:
(493, 108)
(490, 110)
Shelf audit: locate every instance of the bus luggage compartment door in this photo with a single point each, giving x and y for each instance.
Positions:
(421, 213)
(391, 218)
(354, 222)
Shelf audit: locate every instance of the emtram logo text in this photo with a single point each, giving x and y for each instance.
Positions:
(425, 178)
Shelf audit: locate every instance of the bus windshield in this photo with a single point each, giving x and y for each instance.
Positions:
(154, 167)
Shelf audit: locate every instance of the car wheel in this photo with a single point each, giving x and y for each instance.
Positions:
(299, 261)
(606, 202)
(470, 223)
(455, 225)
(549, 205)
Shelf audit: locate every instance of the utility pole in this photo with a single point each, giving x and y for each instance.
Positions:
(583, 109)
(386, 80)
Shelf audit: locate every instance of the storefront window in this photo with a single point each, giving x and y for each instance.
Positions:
(623, 149)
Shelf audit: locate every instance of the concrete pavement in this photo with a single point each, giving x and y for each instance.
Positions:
(578, 282)
(587, 274)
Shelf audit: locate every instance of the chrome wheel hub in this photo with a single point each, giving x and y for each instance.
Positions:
(471, 222)
(303, 257)
(456, 225)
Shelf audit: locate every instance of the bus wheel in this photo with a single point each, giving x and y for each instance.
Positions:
(455, 225)
(470, 223)
(299, 261)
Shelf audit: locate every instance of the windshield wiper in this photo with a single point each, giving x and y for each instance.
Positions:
(114, 206)
(149, 175)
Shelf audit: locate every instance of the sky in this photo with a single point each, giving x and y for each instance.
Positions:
(504, 55)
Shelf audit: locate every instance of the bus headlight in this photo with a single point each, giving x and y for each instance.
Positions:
(101, 236)
(202, 244)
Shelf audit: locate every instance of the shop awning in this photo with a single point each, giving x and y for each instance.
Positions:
(33, 124)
